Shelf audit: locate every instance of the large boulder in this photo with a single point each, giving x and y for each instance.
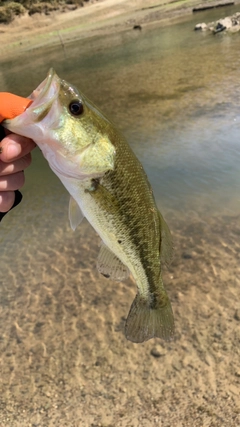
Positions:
(226, 22)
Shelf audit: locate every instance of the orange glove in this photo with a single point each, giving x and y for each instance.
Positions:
(10, 107)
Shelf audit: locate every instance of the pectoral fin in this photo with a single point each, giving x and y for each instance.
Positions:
(74, 213)
(110, 266)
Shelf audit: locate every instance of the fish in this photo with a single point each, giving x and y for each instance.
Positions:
(107, 185)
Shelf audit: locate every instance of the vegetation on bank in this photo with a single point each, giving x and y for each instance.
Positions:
(10, 9)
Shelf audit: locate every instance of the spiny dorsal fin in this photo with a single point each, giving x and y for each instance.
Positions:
(74, 213)
(110, 266)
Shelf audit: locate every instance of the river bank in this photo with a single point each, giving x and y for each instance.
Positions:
(99, 18)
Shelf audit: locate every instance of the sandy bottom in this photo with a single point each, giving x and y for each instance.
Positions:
(65, 360)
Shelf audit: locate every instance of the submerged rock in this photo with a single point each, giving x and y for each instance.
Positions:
(137, 27)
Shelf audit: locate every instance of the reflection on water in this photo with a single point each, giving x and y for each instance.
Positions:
(175, 94)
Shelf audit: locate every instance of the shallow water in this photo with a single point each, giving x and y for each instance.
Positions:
(175, 95)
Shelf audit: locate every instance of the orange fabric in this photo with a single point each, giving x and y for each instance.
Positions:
(12, 105)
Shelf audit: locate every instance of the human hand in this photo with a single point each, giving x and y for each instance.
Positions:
(15, 157)
(14, 153)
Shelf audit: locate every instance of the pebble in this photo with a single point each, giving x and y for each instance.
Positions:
(186, 255)
(157, 352)
(217, 335)
(177, 365)
(237, 315)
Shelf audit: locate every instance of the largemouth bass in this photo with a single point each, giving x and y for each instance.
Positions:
(109, 187)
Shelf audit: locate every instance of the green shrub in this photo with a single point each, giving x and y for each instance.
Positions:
(5, 15)
(43, 7)
(9, 10)
(16, 8)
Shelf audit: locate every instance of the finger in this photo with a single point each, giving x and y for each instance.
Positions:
(17, 166)
(15, 146)
(11, 182)
(6, 200)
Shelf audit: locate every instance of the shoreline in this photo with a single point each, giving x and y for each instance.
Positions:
(99, 18)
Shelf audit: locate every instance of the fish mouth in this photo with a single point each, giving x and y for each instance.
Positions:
(44, 95)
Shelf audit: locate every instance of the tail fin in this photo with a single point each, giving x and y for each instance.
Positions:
(145, 321)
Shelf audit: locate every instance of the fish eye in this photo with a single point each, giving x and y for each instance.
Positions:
(76, 107)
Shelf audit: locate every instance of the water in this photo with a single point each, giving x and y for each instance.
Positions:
(175, 95)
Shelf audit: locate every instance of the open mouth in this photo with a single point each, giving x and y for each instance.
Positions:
(46, 91)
